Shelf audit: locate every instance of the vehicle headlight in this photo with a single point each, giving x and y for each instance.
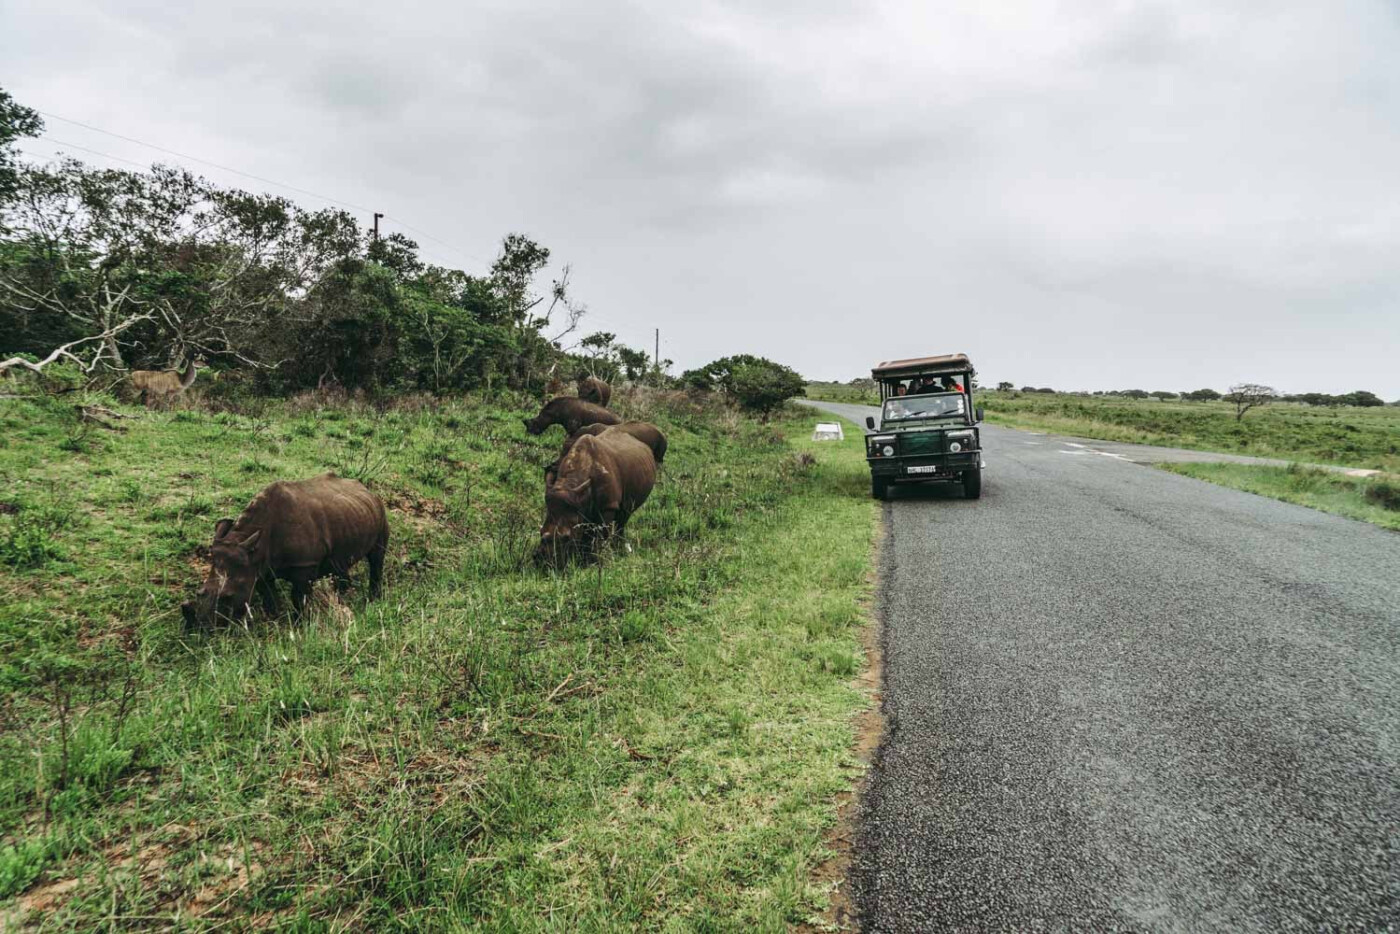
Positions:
(961, 441)
(887, 450)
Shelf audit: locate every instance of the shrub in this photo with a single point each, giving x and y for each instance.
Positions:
(28, 535)
(20, 865)
(1385, 495)
(764, 386)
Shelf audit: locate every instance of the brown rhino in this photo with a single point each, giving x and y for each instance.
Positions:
(294, 530)
(572, 413)
(645, 432)
(601, 481)
(592, 389)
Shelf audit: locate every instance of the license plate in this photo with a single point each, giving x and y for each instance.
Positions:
(930, 469)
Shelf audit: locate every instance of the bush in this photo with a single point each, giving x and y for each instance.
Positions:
(763, 388)
(20, 865)
(28, 535)
(1385, 495)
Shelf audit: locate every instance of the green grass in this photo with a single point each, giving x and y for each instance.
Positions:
(1369, 499)
(1354, 437)
(841, 392)
(654, 742)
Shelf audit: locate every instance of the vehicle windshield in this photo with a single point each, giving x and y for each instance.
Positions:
(942, 405)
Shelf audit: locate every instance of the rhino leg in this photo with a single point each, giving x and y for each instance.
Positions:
(375, 560)
(267, 589)
(302, 579)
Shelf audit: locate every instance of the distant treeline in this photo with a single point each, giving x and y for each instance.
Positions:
(1360, 397)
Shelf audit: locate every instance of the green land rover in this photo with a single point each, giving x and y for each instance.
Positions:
(928, 426)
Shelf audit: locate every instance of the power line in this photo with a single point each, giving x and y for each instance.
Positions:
(259, 178)
(105, 155)
(225, 168)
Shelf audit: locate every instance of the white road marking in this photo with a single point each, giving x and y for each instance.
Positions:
(1073, 445)
(1037, 443)
(1121, 457)
(1074, 452)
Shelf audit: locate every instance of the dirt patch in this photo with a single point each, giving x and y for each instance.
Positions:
(420, 513)
(835, 871)
(222, 870)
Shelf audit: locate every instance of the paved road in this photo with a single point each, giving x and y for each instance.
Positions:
(1122, 699)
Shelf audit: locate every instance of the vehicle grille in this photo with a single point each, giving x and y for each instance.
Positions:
(922, 442)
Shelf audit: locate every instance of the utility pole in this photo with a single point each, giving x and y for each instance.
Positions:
(377, 216)
(656, 356)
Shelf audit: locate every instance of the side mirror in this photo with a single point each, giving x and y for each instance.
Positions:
(979, 413)
(870, 422)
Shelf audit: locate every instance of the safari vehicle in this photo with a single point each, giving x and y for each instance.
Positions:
(928, 426)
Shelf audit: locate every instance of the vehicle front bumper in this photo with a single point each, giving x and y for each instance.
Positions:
(946, 466)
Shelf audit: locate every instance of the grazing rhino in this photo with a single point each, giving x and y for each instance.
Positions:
(592, 389)
(601, 482)
(572, 413)
(645, 432)
(294, 530)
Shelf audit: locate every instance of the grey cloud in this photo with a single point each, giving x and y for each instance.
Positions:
(829, 183)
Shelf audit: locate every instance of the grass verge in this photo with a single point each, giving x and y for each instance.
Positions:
(1369, 499)
(655, 742)
(1350, 436)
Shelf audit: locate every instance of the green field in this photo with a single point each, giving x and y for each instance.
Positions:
(1348, 436)
(841, 392)
(654, 742)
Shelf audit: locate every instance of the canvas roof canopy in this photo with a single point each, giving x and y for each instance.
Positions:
(945, 365)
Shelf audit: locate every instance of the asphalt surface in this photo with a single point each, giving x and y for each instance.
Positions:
(1121, 699)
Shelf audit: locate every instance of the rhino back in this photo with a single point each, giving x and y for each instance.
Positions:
(325, 521)
(630, 469)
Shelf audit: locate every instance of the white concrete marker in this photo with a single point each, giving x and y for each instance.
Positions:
(828, 431)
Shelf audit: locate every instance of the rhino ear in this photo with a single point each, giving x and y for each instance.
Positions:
(221, 528)
(251, 541)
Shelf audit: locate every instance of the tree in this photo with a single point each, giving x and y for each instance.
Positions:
(80, 244)
(16, 122)
(718, 375)
(764, 385)
(1135, 393)
(1163, 394)
(1005, 386)
(1245, 396)
(1201, 395)
(600, 353)
(1363, 398)
(634, 363)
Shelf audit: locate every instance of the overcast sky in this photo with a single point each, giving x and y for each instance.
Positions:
(1079, 194)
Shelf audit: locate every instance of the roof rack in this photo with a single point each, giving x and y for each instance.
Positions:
(923, 366)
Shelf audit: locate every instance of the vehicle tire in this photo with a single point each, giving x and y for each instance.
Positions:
(879, 488)
(972, 484)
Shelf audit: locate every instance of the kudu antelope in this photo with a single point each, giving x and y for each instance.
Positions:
(162, 386)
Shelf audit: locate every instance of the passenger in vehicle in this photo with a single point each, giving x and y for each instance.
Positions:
(901, 390)
(950, 384)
